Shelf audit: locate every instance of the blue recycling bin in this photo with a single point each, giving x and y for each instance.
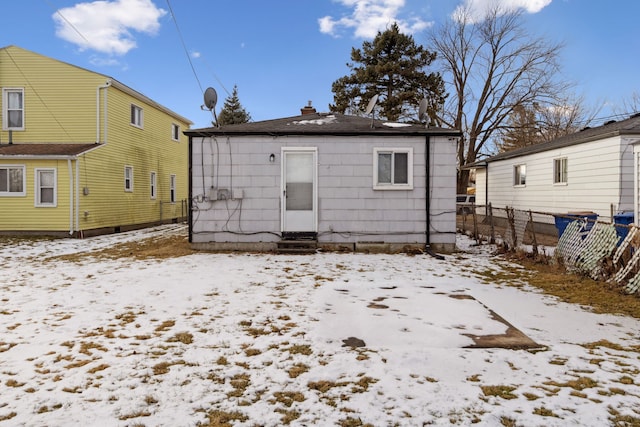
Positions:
(562, 221)
(623, 219)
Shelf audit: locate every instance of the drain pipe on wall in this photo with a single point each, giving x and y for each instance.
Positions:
(427, 198)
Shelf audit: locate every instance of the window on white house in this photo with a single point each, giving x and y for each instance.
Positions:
(136, 116)
(560, 170)
(519, 175)
(128, 178)
(153, 180)
(13, 109)
(172, 188)
(12, 181)
(392, 168)
(175, 132)
(46, 194)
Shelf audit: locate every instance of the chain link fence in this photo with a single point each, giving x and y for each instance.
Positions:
(604, 251)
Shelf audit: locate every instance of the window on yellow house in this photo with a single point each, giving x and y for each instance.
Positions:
(172, 189)
(12, 180)
(46, 194)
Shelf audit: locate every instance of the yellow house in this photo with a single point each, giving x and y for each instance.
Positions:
(83, 154)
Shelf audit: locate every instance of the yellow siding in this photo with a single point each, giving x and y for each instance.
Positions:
(59, 99)
(21, 214)
(60, 107)
(146, 149)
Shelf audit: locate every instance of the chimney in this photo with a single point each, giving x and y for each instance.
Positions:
(308, 109)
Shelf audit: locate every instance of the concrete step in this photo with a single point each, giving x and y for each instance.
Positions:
(297, 246)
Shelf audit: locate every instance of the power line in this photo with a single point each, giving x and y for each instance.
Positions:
(57, 11)
(173, 17)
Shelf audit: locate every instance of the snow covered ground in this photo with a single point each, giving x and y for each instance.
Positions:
(258, 339)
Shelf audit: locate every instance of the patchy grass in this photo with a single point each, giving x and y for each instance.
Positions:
(161, 247)
(183, 337)
(578, 384)
(503, 391)
(573, 288)
(218, 418)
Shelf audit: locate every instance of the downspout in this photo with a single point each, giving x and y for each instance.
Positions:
(78, 195)
(105, 86)
(427, 198)
(486, 189)
(190, 208)
(71, 201)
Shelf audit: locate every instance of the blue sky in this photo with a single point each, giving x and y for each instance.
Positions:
(282, 54)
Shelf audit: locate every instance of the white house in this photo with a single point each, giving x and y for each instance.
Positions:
(588, 171)
(342, 182)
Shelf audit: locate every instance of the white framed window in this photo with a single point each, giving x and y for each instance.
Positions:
(137, 116)
(153, 181)
(128, 178)
(175, 132)
(46, 188)
(13, 109)
(392, 168)
(12, 180)
(519, 175)
(560, 170)
(172, 188)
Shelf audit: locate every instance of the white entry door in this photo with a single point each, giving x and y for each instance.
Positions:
(299, 200)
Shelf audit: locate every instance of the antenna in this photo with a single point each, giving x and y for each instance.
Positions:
(370, 106)
(422, 112)
(210, 101)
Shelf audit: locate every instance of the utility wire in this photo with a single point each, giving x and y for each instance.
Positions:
(57, 12)
(184, 46)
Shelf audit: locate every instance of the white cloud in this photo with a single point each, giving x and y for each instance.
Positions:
(106, 26)
(479, 8)
(370, 16)
(195, 54)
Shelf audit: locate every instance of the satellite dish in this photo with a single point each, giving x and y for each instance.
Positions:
(422, 111)
(210, 98)
(372, 103)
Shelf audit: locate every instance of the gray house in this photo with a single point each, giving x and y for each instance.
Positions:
(340, 182)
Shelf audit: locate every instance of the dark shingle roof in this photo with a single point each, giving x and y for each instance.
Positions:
(630, 126)
(45, 150)
(322, 124)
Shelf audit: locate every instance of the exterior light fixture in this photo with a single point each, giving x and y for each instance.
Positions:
(272, 158)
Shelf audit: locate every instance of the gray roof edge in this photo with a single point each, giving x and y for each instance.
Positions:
(576, 138)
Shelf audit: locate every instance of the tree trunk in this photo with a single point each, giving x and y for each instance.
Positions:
(463, 181)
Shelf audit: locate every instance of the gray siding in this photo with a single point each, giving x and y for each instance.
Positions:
(349, 209)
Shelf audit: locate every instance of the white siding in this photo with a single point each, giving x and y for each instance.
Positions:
(349, 209)
(599, 177)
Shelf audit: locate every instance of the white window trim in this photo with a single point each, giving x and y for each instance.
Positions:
(24, 183)
(130, 179)
(139, 108)
(172, 188)
(558, 162)
(175, 132)
(392, 186)
(37, 187)
(153, 184)
(519, 183)
(5, 108)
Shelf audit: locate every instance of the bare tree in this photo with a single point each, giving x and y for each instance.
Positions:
(534, 124)
(490, 66)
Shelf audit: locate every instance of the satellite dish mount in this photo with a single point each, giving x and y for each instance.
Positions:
(210, 101)
(370, 107)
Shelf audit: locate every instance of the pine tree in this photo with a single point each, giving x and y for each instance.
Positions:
(392, 67)
(233, 112)
(520, 130)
